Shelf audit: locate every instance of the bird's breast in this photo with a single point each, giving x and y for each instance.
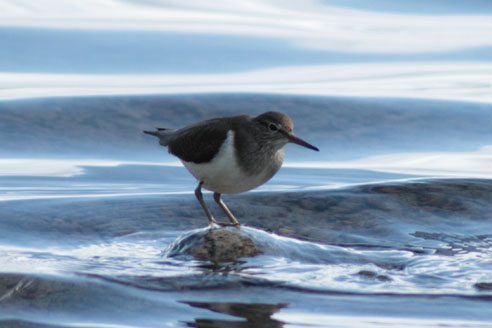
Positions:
(223, 174)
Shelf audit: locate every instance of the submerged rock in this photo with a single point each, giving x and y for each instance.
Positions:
(230, 244)
(216, 245)
(224, 246)
(483, 286)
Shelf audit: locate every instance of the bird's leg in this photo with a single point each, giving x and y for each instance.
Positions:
(199, 196)
(223, 206)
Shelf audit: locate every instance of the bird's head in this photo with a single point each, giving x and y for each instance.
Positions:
(278, 127)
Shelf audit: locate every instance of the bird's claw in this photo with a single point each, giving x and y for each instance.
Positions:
(225, 224)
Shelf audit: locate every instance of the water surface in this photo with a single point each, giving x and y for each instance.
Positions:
(357, 234)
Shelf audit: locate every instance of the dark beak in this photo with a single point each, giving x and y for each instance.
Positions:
(292, 138)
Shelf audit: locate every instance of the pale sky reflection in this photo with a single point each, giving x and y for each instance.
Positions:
(467, 81)
(311, 25)
(308, 24)
(435, 164)
(302, 319)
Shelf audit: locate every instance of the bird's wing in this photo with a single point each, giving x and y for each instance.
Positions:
(200, 142)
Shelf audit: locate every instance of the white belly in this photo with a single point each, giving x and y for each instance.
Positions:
(222, 174)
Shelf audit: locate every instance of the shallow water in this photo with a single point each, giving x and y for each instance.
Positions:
(99, 240)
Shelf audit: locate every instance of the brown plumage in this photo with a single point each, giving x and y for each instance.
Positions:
(231, 154)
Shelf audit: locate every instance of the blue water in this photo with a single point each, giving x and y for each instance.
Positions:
(389, 225)
(31, 50)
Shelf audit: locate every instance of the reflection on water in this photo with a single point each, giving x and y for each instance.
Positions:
(306, 47)
(345, 129)
(256, 315)
(467, 81)
(308, 24)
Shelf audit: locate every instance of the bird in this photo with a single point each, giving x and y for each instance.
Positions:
(230, 155)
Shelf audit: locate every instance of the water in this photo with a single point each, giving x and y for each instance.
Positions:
(388, 225)
(87, 240)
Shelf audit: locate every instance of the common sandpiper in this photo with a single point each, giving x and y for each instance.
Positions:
(229, 155)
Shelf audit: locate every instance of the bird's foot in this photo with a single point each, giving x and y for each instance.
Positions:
(225, 224)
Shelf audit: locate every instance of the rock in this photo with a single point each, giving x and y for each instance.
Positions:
(368, 274)
(224, 246)
(484, 286)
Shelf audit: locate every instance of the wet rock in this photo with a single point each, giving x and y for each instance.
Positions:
(219, 245)
(224, 246)
(484, 286)
(384, 278)
(368, 274)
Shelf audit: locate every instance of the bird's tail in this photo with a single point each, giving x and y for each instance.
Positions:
(164, 135)
(154, 133)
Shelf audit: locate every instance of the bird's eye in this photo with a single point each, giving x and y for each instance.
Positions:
(273, 127)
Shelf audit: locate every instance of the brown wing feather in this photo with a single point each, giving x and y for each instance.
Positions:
(200, 142)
